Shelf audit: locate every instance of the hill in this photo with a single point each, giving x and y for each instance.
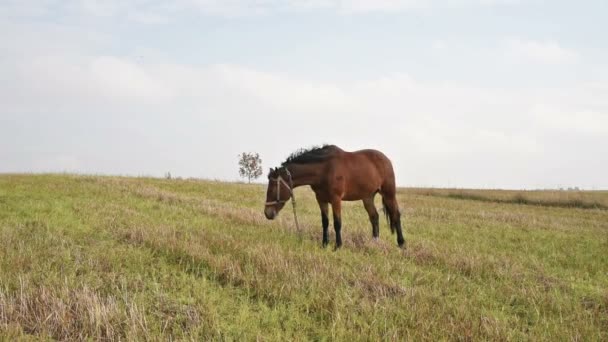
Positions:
(137, 258)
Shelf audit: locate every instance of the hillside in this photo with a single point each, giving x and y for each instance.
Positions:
(138, 258)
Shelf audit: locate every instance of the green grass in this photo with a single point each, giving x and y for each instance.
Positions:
(114, 258)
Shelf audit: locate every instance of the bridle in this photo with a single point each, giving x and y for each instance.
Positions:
(289, 186)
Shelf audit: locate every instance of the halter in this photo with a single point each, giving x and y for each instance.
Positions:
(289, 186)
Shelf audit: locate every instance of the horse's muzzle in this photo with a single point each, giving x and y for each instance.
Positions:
(270, 212)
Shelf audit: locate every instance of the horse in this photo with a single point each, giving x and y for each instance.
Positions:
(335, 175)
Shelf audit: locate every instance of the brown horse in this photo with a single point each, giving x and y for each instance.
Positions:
(335, 176)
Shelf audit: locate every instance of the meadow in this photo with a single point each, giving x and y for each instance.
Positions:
(117, 258)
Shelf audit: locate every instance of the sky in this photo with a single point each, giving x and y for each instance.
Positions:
(457, 93)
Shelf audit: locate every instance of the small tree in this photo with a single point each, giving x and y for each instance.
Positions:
(250, 165)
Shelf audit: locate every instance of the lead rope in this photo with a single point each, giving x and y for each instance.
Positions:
(293, 202)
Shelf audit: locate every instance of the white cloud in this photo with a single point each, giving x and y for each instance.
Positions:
(254, 7)
(443, 128)
(100, 8)
(148, 17)
(153, 12)
(19, 8)
(114, 82)
(121, 78)
(545, 52)
(77, 82)
(282, 92)
(439, 45)
(405, 5)
(571, 121)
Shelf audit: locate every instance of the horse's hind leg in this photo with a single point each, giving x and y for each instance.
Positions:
(392, 208)
(324, 221)
(373, 216)
(336, 208)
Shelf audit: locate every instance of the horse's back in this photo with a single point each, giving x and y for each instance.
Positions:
(363, 172)
(379, 160)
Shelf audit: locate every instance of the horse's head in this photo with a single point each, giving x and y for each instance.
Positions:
(278, 193)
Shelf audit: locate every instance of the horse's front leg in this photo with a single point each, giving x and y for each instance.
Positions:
(336, 208)
(325, 222)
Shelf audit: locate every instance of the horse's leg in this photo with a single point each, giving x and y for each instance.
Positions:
(336, 208)
(390, 204)
(373, 216)
(324, 206)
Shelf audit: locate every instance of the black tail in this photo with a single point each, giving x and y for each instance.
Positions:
(388, 216)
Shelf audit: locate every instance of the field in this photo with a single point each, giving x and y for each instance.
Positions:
(152, 259)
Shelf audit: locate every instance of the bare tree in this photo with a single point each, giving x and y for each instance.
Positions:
(250, 165)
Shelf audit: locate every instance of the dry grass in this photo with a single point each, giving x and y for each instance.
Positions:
(70, 314)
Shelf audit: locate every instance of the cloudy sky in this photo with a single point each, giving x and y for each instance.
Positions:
(459, 93)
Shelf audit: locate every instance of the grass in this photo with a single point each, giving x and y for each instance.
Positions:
(547, 198)
(147, 259)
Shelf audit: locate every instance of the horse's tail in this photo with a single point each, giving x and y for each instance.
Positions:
(388, 215)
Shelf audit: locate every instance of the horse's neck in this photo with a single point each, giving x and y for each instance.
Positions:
(304, 174)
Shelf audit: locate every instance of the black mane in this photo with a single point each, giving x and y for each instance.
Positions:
(311, 155)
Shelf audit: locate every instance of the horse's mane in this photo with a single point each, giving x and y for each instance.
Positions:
(312, 155)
